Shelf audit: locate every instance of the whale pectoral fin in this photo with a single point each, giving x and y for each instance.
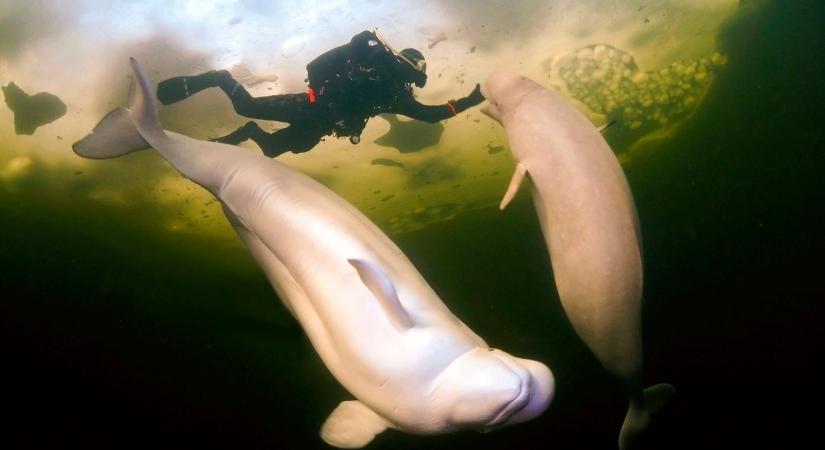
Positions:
(383, 289)
(604, 127)
(352, 425)
(515, 182)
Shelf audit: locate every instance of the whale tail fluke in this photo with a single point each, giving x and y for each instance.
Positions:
(114, 136)
(124, 130)
(638, 416)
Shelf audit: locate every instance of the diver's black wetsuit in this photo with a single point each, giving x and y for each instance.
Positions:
(347, 86)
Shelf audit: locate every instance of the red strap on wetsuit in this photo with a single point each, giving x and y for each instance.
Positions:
(452, 107)
(311, 95)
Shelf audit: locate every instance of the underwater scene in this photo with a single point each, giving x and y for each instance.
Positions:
(148, 301)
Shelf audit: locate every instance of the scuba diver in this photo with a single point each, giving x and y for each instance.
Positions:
(347, 86)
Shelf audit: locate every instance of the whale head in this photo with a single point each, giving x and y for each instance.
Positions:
(487, 388)
(504, 90)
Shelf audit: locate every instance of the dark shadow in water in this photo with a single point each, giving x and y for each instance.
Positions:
(386, 162)
(733, 241)
(410, 136)
(32, 111)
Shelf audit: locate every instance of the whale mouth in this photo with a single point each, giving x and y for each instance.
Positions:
(513, 406)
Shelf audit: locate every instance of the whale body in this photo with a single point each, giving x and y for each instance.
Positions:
(590, 225)
(377, 325)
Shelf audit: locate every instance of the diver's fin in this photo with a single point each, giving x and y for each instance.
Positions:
(638, 418)
(115, 135)
(352, 425)
(515, 182)
(383, 289)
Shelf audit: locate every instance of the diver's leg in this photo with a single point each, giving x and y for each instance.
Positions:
(294, 138)
(282, 108)
(241, 134)
(178, 88)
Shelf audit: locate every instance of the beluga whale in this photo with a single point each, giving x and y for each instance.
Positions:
(376, 324)
(590, 225)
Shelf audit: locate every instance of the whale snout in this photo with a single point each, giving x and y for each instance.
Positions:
(542, 388)
(513, 394)
(535, 389)
(490, 389)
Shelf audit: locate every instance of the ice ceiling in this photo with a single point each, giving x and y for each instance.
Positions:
(594, 51)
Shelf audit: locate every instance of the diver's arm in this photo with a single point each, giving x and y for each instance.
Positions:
(433, 113)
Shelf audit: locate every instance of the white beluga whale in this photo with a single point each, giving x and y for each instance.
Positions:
(375, 322)
(590, 226)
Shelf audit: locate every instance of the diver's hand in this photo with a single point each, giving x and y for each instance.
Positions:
(471, 100)
(475, 97)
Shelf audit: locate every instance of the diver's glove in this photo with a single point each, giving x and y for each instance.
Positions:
(469, 101)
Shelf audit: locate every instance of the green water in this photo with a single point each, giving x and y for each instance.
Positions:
(108, 343)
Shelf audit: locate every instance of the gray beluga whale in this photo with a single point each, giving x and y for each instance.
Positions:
(377, 325)
(590, 225)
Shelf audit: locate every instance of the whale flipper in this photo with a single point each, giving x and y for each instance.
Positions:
(384, 290)
(352, 425)
(515, 182)
(657, 395)
(638, 417)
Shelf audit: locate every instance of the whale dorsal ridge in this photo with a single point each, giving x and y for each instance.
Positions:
(515, 182)
(352, 425)
(384, 290)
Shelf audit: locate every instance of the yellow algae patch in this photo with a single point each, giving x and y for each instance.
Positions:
(16, 167)
(110, 195)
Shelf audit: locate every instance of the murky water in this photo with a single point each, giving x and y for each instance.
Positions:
(132, 317)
